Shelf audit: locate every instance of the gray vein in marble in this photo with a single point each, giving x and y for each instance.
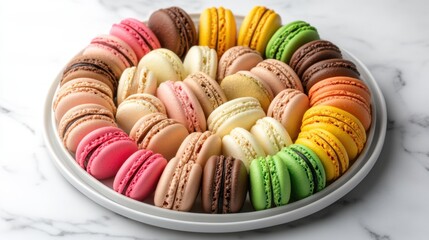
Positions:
(376, 236)
(398, 81)
(60, 228)
(38, 170)
(8, 111)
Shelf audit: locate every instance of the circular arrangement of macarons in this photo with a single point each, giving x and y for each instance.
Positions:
(172, 111)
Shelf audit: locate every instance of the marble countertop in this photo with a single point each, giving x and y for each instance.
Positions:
(39, 37)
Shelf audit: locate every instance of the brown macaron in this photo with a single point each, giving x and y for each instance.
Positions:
(174, 29)
(224, 185)
(328, 68)
(90, 66)
(311, 53)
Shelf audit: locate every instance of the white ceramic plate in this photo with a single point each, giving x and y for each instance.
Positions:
(145, 212)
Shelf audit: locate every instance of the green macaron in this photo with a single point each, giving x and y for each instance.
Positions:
(287, 39)
(269, 183)
(305, 169)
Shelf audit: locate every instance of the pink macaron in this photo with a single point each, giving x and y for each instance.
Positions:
(182, 105)
(138, 176)
(103, 151)
(137, 35)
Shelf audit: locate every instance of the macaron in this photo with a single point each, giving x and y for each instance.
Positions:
(80, 120)
(201, 146)
(233, 87)
(103, 151)
(270, 184)
(135, 107)
(329, 149)
(90, 66)
(326, 69)
(175, 29)
(201, 59)
(311, 53)
(82, 91)
(288, 107)
(224, 185)
(236, 59)
(182, 105)
(241, 144)
(257, 28)
(271, 135)
(137, 35)
(349, 94)
(179, 184)
(165, 65)
(287, 39)
(114, 50)
(138, 176)
(346, 127)
(217, 29)
(207, 90)
(239, 112)
(154, 131)
(307, 175)
(135, 80)
(278, 75)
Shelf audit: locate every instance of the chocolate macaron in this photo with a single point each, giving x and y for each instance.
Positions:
(174, 29)
(311, 53)
(328, 68)
(224, 185)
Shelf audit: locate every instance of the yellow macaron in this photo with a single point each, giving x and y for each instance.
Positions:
(346, 127)
(329, 149)
(258, 27)
(217, 29)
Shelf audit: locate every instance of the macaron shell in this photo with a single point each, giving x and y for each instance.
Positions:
(109, 151)
(236, 59)
(352, 85)
(326, 69)
(81, 120)
(240, 112)
(116, 46)
(249, 24)
(267, 26)
(271, 135)
(201, 59)
(224, 185)
(89, 66)
(141, 174)
(138, 36)
(277, 75)
(208, 28)
(227, 31)
(165, 65)
(134, 81)
(329, 149)
(233, 88)
(207, 90)
(260, 190)
(178, 180)
(182, 105)
(136, 106)
(68, 98)
(241, 144)
(288, 107)
(174, 29)
(311, 53)
(300, 181)
(154, 132)
(315, 162)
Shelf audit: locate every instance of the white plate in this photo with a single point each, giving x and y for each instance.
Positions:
(102, 193)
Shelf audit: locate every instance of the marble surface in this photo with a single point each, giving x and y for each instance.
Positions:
(38, 37)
